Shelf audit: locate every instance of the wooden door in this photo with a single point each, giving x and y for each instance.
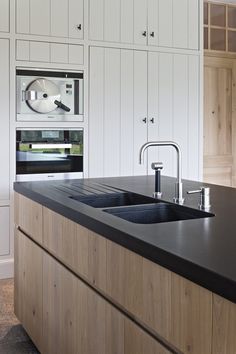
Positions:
(218, 98)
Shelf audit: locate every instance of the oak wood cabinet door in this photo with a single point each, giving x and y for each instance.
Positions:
(29, 216)
(78, 320)
(224, 324)
(28, 286)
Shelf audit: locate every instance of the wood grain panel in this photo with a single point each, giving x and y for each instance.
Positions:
(218, 169)
(156, 298)
(124, 278)
(60, 309)
(97, 261)
(66, 240)
(219, 128)
(28, 286)
(29, 216)
(138, 342)
(191, 316)
(224, 324)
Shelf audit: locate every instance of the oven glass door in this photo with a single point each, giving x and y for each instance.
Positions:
(49, 151)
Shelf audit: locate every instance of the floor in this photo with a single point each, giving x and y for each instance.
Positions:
(13, 338)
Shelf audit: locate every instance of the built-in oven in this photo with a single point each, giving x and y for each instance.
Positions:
(44, 95)
(49, 154)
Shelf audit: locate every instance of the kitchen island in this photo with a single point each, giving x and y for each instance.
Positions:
(88, 281)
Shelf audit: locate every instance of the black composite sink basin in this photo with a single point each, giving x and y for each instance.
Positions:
(157, 213)
(114, 200)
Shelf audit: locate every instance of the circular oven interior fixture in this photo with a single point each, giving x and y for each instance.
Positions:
(46, 93)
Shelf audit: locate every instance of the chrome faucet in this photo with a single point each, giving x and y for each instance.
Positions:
(178, 199)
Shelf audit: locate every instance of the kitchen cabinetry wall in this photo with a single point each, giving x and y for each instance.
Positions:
(149, 87)
(5, 147)
(164, 23)
(138, 96)
(56, 18)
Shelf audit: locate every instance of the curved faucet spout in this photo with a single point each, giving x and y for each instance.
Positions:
(178, 190)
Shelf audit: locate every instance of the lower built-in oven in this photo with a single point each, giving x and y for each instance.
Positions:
(49, 154)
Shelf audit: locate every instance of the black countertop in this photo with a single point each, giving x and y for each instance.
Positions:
(201, 250)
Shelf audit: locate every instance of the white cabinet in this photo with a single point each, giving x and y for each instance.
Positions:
(57, 18)
(49, 52)
(4, 120)
(4, 15)
(135, 97)
(173, 107)
(163, 23)
(118, 106)
(4, 231)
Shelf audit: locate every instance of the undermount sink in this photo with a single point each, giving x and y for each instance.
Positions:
(157, 213)
(114, 200)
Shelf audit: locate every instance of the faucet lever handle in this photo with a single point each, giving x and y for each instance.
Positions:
(195, 192)
(204, 197)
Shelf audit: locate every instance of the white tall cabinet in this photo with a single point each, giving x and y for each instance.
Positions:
(139, 96)
(163, 23)
(4, 148)
(56, 18)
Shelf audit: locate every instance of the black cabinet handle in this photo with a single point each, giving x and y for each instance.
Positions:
(79, 27)
(144, 33)
(152, 34)
(152, 120)
(145, 120)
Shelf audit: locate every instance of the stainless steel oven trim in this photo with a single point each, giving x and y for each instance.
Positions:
(48, 176)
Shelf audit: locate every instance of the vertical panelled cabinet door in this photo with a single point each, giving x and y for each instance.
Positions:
(4, 120)
(57, 18)
(4, 15)
(164, 23)
(118, 111)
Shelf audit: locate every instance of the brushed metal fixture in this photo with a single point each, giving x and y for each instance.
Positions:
(204, 203)
(178, 199)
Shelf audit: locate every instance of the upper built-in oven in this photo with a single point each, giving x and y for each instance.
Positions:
(49, 154)
(44, 95)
